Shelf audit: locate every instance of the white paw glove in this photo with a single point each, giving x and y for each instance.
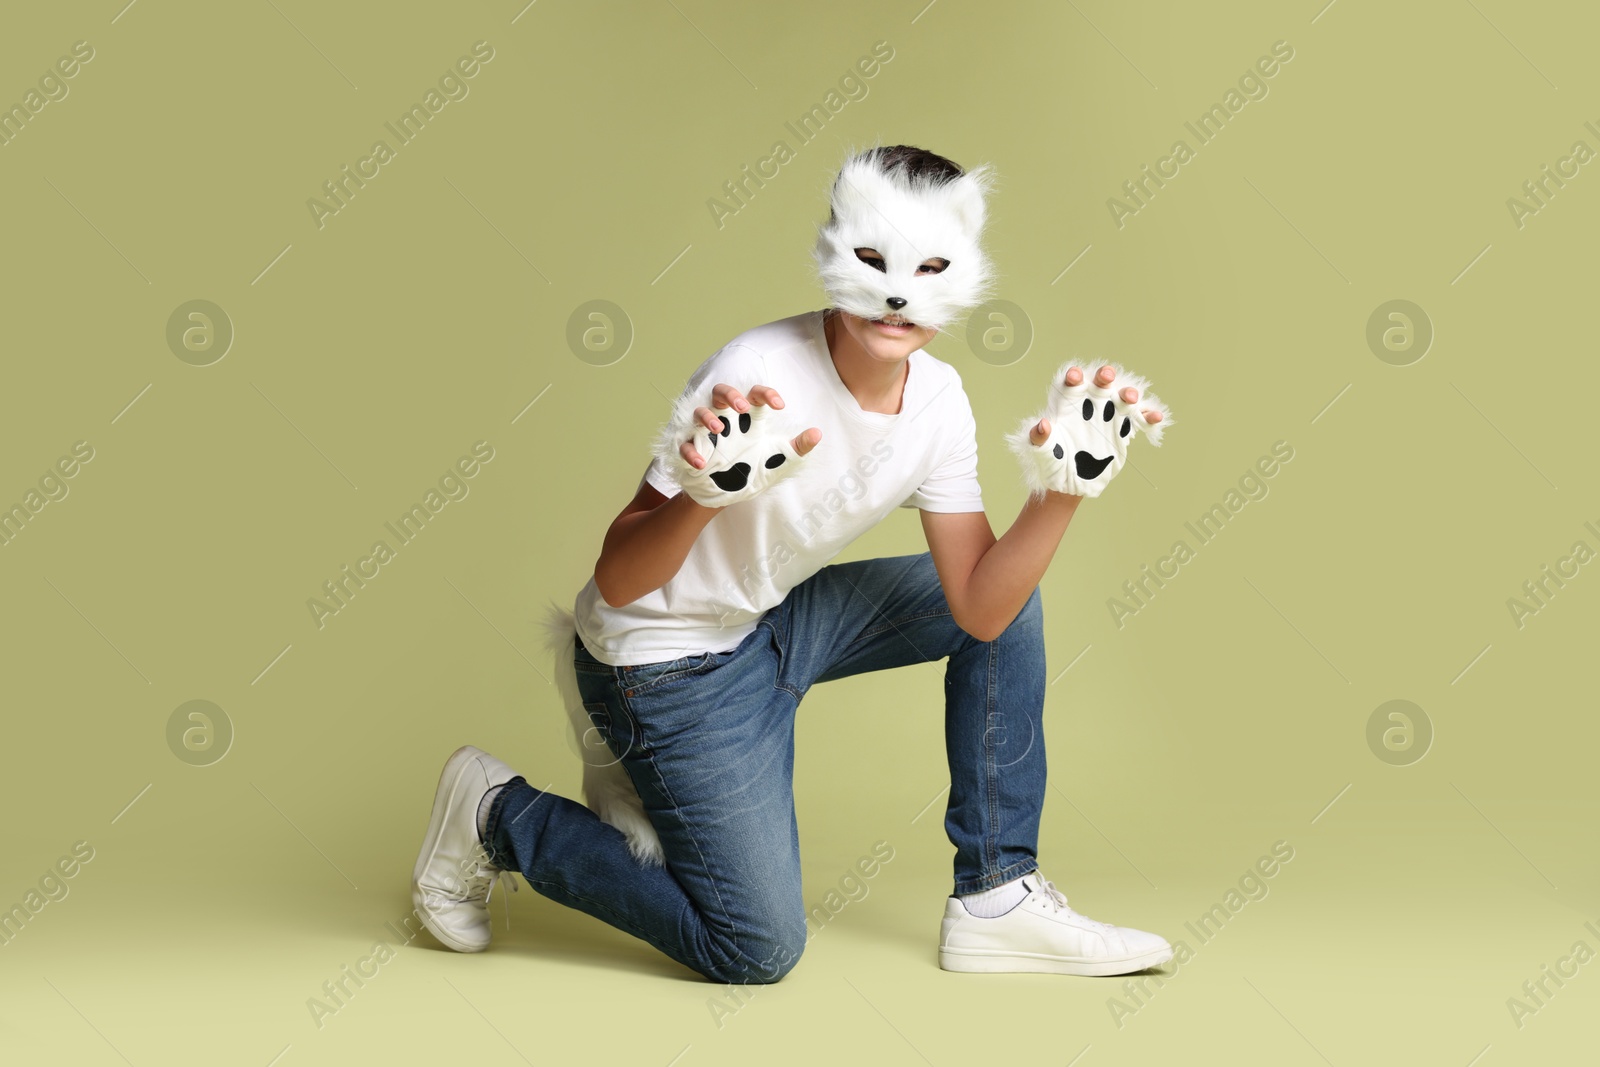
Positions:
(1091, 427)
(753, 452)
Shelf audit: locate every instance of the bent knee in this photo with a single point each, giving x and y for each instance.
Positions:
(761, 960)
(772, 957)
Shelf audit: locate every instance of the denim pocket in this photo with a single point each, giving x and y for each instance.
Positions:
(599, 715)
(610, 748)
(647, 676)
(616, 725)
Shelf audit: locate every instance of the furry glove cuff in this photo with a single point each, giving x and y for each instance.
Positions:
(753, 452)
(1090, 430)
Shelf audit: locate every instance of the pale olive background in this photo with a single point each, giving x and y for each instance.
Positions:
(1230, 713)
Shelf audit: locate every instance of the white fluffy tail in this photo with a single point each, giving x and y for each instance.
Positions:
(607, 789)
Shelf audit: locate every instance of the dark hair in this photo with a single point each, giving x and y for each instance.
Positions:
(916, 165)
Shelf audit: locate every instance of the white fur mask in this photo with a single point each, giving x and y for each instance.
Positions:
(907, 224)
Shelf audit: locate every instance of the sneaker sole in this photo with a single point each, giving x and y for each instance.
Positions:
(1037, 963)
(459, 763)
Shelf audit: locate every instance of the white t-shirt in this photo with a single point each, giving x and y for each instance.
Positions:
(867, 464)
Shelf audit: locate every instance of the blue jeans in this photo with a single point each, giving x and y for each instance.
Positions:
(708, 740)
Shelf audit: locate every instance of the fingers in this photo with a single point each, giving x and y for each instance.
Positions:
(766, 394)
(708, 418)
(1041, 431)
(1103, 377)
(726, 396)
(713, 423)
(692, 456)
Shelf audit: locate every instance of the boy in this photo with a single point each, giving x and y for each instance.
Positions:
(713, 609)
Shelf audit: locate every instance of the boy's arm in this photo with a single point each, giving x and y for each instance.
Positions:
(986, 581)
(648, 542)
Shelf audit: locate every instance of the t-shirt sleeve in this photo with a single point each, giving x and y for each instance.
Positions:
(659, 480)
(740, 367)
(953, 484)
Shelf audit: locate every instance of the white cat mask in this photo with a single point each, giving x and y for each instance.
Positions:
(907, 222)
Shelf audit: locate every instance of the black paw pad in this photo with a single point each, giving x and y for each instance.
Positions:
(733, 479)
(1088, 466)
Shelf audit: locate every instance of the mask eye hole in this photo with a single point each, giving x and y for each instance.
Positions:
(870, 257)
(936, 265)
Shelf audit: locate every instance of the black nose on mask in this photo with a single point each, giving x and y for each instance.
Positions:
(896, 302)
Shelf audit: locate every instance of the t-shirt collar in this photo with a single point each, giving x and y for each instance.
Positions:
(847, 399)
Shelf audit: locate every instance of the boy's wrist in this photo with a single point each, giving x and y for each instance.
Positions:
(706, 512)
(1061, 500)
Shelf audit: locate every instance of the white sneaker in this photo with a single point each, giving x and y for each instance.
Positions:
(1042, 934)
(451, 882)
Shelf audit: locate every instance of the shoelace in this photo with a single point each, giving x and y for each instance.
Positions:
(484, 877)
(1058, 900)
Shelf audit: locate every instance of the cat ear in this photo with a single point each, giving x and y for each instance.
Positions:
(967, 198)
